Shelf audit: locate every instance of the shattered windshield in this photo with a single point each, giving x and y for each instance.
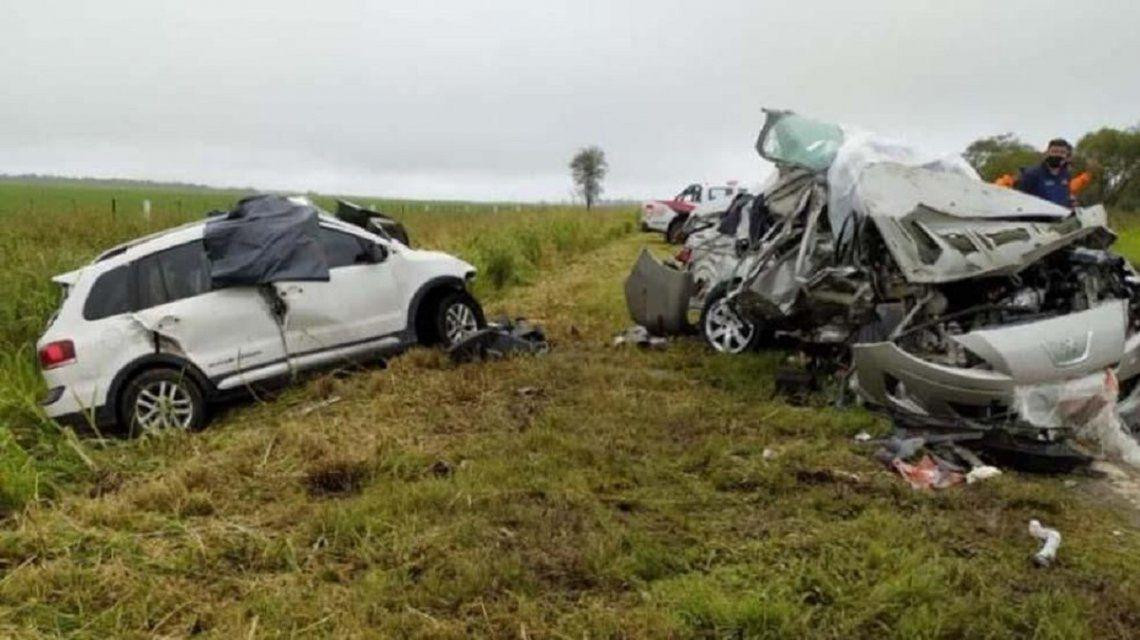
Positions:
(788, 138)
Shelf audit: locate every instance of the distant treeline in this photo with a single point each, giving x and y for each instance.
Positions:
(36, 178)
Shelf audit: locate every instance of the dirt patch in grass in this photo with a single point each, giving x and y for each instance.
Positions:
(337, 477)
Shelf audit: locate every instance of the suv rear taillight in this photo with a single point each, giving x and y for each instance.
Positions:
(56, 354)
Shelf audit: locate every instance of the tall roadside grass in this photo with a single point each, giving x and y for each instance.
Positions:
(52, 229)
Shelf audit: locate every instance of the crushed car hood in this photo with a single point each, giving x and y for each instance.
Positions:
(942, 227)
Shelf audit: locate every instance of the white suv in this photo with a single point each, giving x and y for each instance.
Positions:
(143, 340)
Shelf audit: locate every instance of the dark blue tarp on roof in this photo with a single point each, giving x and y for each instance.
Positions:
(265, 239)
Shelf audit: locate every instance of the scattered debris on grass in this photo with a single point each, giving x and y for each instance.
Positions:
(984, 472)
(1050, 538)
(943, 462)
(639, 336)
(499, 340)
(928, 473)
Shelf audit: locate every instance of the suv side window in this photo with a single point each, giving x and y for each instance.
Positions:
(342, 249)
(173, 274)
(110, 295)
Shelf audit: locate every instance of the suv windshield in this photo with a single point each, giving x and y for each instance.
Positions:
(788, 138)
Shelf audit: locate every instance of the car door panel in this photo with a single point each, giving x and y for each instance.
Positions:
(357, 310)
(223, 332)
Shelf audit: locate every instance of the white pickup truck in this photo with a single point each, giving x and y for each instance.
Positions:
(668, 216)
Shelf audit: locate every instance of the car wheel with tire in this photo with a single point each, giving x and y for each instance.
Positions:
(723, 329)
(160, 399)
(456, 316)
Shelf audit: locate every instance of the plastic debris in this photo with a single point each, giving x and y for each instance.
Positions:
(1089, 406)
(639, 336)
(896, 448)
(1051, 539)
(862, 436)
(499, 340)
(984, 472)
(928, 473)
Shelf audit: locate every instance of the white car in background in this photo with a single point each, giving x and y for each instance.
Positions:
(668, 216)
(145, 340)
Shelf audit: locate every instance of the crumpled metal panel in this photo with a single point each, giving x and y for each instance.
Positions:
(942, 227)
(658, 296)
(1055, 348)
(772, 282)
(893, 190)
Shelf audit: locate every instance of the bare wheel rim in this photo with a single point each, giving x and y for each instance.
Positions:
(459, 320)
(726, 331)
(163, 404)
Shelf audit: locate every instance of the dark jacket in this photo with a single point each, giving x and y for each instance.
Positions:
(1039, 181)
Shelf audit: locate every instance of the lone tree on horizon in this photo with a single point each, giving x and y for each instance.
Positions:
(588, 168)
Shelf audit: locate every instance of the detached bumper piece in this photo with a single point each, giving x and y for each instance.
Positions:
(500, 340)
(658, 296)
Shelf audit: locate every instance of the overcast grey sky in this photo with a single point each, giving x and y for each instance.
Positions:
(489, 99)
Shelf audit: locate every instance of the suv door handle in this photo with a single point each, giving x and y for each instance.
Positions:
(147, 322)
(284, 290)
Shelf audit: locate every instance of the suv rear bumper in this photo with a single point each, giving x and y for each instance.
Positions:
(103, 417)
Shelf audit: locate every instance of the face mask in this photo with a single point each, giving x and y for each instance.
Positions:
(1054, 162)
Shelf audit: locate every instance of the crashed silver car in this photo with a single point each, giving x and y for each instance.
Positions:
(942, 294)
(669, 297)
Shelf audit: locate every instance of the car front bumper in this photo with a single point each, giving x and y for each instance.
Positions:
(1041, 352)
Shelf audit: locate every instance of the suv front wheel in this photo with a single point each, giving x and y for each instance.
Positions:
(160, 399)
(457, 316)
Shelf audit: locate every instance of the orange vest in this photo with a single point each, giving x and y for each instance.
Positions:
(1077, 183)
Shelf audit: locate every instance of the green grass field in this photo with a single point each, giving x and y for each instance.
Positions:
(593, 492)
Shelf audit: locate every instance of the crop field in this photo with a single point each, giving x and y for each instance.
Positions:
(595, 491)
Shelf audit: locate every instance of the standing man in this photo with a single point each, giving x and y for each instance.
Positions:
(1050, 179)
